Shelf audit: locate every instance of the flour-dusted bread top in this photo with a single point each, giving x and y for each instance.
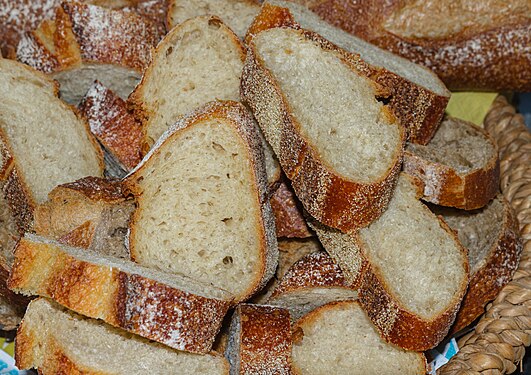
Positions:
(338, 338)
(198, 61)
(55, 340)
(202, 205)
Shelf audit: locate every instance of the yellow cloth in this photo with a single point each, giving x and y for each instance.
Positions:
(8, 347)
(470, 106)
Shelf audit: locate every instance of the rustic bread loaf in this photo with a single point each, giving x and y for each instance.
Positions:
(44, 143)
(491, 236)
(237, 14)
(458, 168)
(171, 309)
(338, 338)
(202, 208)
(55, 340)
(259, 341)
(342, 173)
(87, 42)
(418, 97)
(469, 44)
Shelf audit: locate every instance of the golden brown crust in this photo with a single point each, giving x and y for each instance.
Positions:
(488, 59)
(326, 195)
(446, 186)
(289, 220)
(129, 301)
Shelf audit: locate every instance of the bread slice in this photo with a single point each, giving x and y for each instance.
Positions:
(171, 309)
(44, 143)
(415, 273)
(237, 14)
(297, 85)
(289, 220)
(202, 204)
(57, 341)
(494, 246)
(418, 97)
(338, 338)
(458, 168)
(87, 42)
(198, 61)
(260, 341)
(311, 282)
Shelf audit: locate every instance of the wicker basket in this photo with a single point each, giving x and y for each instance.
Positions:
(497, 344)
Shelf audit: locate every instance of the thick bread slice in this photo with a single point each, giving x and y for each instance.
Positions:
(170, 309)
(198, 61)
(418, 97)
(340, 147)
(458, 168)
(414, 273)
(311, 282)
(87, 42)
(338, 338)
(202, 209)
(237, 14)
(44, 143)
(494, 246)
(55, 340)
(259, 341)
(289, 220)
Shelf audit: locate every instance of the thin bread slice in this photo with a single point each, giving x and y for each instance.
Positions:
(57, 341)
(259, 341)
(289, 220)
(44, 143)
(458, 168)
(199, 61)
(170, 309)
(338, 338)
(237, 14)
(202, 208)
(494, 246)
(340, 147)
(311, 282)
(418, 97)
(415, 270)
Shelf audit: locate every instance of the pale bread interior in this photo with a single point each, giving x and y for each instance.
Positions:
(8, 232)
(92, 344)
(51, 146)
(197, 62)
(339, 338)
(237, 14)
(199, 213)
(336, 108)
(457, 144)
(421, 264)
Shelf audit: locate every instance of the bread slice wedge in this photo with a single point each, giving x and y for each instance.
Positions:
(340, 147)
(416, 271)
(171, 309)
(458, 168)
(259, 341)
(418, 97)
(338, 338)
(55, 340)
(494, 246)
(289, 220)
(202, 208)
(43, 142)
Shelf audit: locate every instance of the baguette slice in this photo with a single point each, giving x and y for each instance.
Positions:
(458, 168)
(202, 208)
(289, 220)
(491, 236)
(43, 142)
(311, 282)
(415, 273)
(343, 162)
(57, 341)
(260, 341)
(338, 338)
(237, 14)
(170, 309)
(418, 97)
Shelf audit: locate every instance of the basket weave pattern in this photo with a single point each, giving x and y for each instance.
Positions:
(497, 344)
